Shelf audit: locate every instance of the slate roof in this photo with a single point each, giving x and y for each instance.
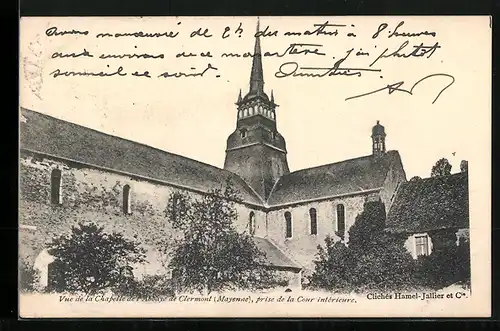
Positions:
(354, 175)
(274, 256)
(431, 204)
(49, 135)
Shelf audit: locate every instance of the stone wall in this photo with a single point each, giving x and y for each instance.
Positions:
(89, 194)
(302, 246)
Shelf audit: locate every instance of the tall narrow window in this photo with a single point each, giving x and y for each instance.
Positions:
(341, 218)
(55, 186)
(126, 200)
(422, 245)
(251, 223)
(288, 220)
(314, 222)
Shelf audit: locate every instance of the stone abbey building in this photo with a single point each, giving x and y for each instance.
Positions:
(70, 173)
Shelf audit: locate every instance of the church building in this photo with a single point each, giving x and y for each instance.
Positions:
(70, 173)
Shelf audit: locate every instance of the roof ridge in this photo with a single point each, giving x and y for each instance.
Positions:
(339, 162)
(125, 139)
(212, 167)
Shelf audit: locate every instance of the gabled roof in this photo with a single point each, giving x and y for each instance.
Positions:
(48, 135)
(354, 175)
(430, 204)
(273, 255)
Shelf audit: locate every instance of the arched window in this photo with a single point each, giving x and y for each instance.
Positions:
(243, 133)
(252, 110)
(251, 223)
(288, 220)
(126, 200)
(55, 186)
(240, 113)
(340, 218)
(245, 112)
(314, 221)
(260, 110)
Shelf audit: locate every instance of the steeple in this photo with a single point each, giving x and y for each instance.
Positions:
(256, 151)
(256, 102)
(257, 74)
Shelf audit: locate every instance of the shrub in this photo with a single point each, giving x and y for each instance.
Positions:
(372, 261)
(27, 276)
(150, 288)
(90, 259)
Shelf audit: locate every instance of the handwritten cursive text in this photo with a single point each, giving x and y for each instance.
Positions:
(391, 88)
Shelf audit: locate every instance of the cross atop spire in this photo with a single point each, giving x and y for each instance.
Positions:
(257, 75)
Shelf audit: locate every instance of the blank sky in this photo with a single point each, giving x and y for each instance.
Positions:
(194, 116)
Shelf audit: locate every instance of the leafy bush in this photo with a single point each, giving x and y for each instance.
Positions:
(150, 288)
(447, 265)
(27, 276)
(89, 259)
(372, 261)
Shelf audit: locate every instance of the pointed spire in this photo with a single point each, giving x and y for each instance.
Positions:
(272, 96)
(239, 96)
(257, 76)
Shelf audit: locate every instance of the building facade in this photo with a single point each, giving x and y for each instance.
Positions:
(69, 173)
(443, 213)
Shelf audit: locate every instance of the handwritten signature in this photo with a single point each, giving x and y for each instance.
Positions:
(391, 88)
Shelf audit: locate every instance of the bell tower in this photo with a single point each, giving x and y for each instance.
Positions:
(378, 139)
(256, 151)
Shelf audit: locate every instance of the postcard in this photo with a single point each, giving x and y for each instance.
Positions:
(314, 166)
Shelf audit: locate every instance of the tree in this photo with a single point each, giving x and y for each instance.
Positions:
(373, 259)
(464, 166)
(415, 178)
(90, 259)
(441, 168)
(212, 255)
